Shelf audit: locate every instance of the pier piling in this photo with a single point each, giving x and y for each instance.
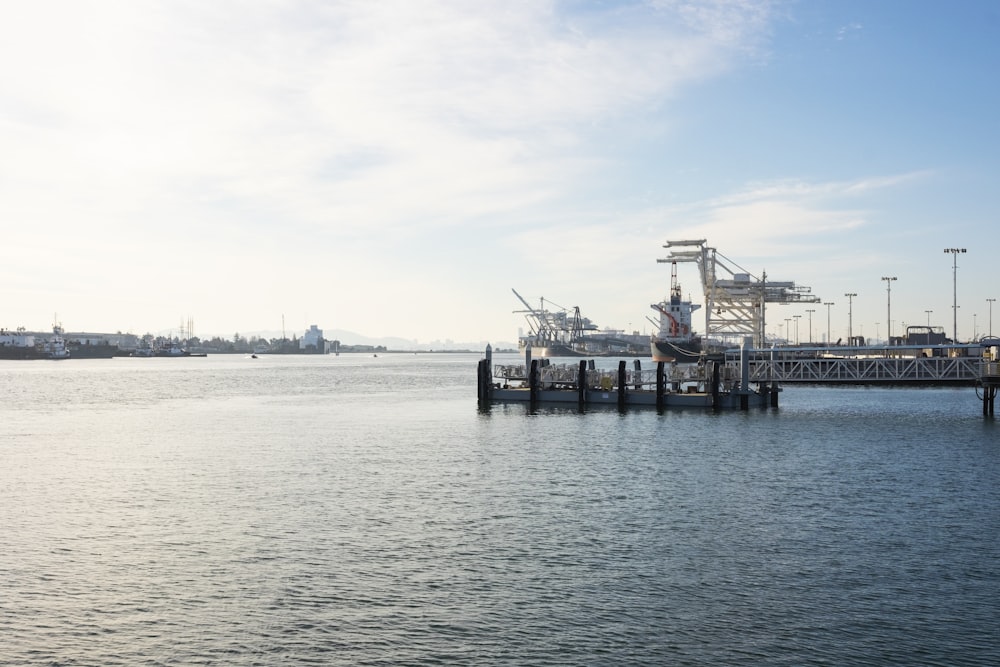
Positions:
(715, 385)
(661, 385)
(533, 381)
(621, 385)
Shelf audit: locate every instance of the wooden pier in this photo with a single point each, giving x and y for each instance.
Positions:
(712, 385)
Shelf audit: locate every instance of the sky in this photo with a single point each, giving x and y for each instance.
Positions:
(397, 168)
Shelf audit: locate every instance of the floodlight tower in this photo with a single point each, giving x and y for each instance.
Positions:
(828, 304)
(954, 290)
(850, 316)
(990, 301)
(888, 307)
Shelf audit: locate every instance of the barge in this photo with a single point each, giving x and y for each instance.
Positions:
(711, 385)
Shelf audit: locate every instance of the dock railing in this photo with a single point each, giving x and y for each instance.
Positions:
(679, 377)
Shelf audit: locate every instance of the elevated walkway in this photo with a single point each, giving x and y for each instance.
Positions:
(907, 364)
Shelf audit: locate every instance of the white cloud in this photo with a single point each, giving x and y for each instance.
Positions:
(200, 141)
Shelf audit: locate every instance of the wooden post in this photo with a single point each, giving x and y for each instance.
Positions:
(581, 384)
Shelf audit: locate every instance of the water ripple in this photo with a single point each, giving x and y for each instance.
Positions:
(324, 511)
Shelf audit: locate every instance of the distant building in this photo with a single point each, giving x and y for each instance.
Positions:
(312, 340)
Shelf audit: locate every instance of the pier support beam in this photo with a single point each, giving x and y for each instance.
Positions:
(581, 384)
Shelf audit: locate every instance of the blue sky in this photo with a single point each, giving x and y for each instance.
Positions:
(395, 168)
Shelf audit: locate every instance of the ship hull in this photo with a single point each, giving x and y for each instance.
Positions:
(688, 352)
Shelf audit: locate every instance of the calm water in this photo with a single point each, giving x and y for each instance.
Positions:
(362, 511)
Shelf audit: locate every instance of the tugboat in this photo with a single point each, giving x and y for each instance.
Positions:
(55, 347)
(675, 339)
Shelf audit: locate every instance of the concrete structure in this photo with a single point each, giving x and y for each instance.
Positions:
(313, 338)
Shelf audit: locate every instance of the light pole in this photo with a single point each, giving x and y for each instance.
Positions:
(876, 333)
(810, 311)
(828, 304)
(954, 290)
(928, 318)
(788, 330)
(888, 307)
(990, 301)
(850, 317)
(796, 328)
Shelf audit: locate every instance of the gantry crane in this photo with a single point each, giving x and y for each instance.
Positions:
(559, 326)
(735, 299)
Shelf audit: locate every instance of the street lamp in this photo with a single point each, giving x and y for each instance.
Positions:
(928, 318)
(850, 317)
(796, 328)
(990, 301)
(828, 304)
(888, 307)
(954, 290)
(810, 311)
(788, 329)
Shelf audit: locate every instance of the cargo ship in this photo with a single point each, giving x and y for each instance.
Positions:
(675, 339)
